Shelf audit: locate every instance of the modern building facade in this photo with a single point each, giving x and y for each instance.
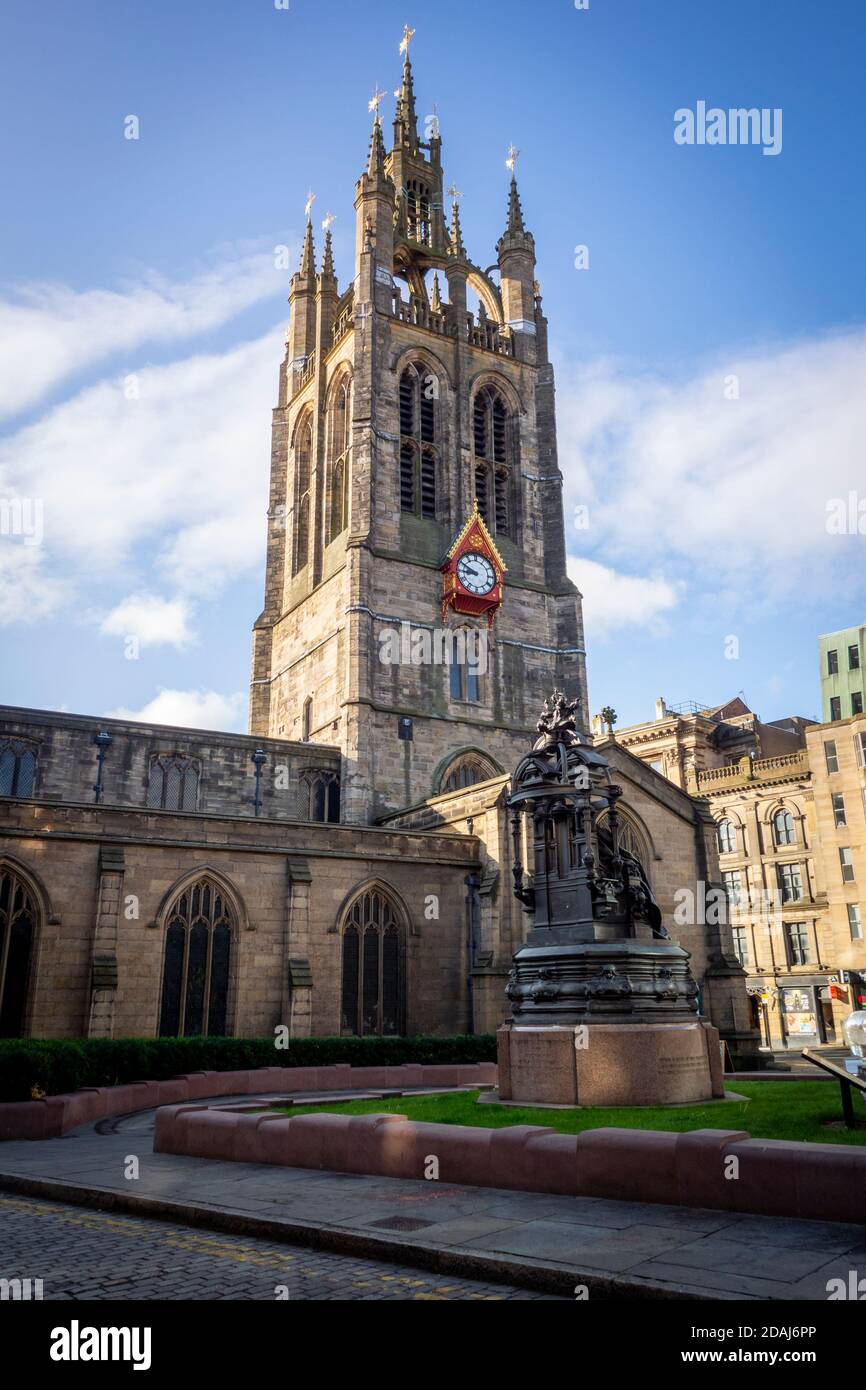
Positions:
(843, 673)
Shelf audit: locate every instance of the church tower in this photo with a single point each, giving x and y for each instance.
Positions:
(400, 407)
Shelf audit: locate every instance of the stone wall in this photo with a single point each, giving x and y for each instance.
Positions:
(104, 879)
(67, 763)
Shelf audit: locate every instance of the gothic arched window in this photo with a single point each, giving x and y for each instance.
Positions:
(418, 211)
(195, 977)
(783, 828)
(18, 920)
(303, 473)
(373, 986)
(172, 784)
(17, 769)
(418, 455)
(630, 839)
(339, 434)
(727, 836)
(491, 450)
(320, 799)
(465, 771)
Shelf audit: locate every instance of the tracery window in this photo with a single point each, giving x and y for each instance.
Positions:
(630, 839)
(727, 837)
(373, 987)
(195, 979)
(18, 921)
(492, 472)
(320, 799)
(465, 771)
(783, 828)
(339, 434)
(303, 472)
(418, 452)
(17, 769)
(173, 783)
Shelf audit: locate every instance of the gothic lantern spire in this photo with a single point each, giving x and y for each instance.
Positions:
(457, 247)
(376, 161)
(308, 254)
(406, 119)
(515, 211)
(328, 258)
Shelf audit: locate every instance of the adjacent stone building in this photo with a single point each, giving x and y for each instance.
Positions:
(837, 758)
(789, 807)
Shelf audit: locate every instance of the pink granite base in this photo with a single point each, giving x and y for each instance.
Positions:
(53, 1116)
(722, 1169)
(606, 1064)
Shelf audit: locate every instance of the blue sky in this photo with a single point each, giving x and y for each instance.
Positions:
(141, 318)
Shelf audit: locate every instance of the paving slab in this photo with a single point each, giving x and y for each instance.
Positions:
(723, 1252)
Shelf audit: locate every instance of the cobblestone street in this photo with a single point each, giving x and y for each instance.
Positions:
(81, 1254)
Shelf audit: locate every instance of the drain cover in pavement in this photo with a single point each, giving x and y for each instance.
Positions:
(402, 1223)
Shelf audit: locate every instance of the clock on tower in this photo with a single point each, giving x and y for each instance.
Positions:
(473, 572)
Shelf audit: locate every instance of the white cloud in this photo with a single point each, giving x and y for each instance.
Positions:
(27, 594)
(177, 478)
(612, 601)
(154, 621)
(190, 709)
(727, 494)
(48, 331)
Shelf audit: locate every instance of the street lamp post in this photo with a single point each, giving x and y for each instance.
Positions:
(103, 743)
(259, 758)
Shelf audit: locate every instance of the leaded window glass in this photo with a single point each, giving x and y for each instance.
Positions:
(372, 985)
(17, 769)
(173, 784)
(195, 980)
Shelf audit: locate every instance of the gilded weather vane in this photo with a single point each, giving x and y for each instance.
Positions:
(375, 101)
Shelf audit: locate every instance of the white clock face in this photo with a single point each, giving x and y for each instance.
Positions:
(476, 573)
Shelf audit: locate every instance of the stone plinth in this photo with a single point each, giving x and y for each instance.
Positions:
(610, 1064)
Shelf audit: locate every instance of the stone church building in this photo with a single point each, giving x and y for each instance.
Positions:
(346, 867)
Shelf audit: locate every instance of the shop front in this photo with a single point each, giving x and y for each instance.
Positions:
(793, 1012)
(806, 1009)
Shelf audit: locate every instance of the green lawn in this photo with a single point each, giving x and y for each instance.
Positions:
(771, 1110)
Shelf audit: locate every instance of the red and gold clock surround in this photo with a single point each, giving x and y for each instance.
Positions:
(476, 548)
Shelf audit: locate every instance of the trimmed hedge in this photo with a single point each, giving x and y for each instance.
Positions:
(58, 1066)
